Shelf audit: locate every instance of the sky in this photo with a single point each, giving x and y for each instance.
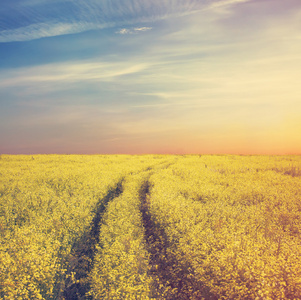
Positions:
(150, 76)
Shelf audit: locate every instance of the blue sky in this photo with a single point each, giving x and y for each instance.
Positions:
(150, 76)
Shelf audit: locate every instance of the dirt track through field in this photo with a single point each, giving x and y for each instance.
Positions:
(171, 280)
(157, 247)
(82, 254)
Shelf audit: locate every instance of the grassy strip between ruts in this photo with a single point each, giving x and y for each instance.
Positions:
(122, 261)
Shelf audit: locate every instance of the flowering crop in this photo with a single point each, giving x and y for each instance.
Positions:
(47, 204)
(231, 227)
(155, 227)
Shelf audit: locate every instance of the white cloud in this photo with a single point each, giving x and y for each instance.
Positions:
(68, 73)
(142, 28)
(133, 30)
(41, 30)
(226, 3)
(124, 31)
(39, 21)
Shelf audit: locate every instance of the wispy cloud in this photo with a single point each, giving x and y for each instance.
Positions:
(124, 31)
(224, 3)
(29, 20)
(42, 30)
(142, 28)
(70, 72)
(133, 30)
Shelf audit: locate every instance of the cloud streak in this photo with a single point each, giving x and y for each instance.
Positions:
(70, 72)
(133, 30)
(43, 30)
(29, 20)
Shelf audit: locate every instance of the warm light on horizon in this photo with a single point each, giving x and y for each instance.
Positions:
(159, 77)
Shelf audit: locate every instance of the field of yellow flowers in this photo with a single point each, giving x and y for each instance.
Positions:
(150, 227)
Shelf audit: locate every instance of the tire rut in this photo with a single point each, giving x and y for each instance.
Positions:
(156, 245)
(171, 278)
(77, 282)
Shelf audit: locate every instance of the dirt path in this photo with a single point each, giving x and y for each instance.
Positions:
(82, 255)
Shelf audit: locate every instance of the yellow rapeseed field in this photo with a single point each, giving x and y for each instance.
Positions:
(150, 227)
